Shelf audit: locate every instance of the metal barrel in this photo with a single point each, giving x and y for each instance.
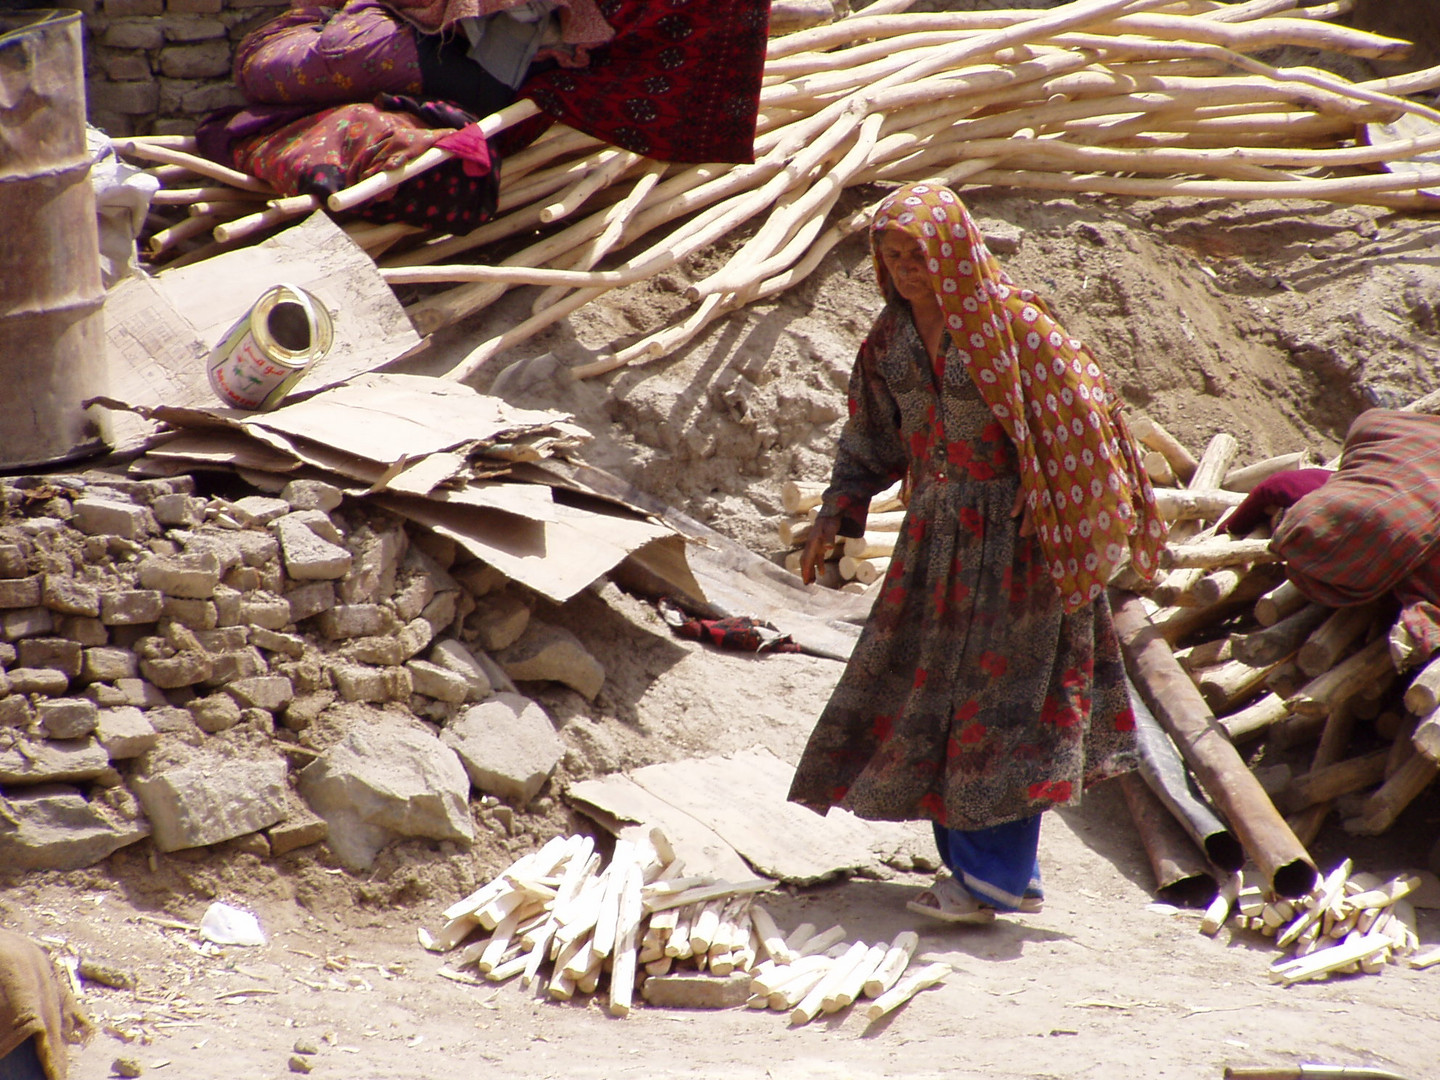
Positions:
(52, 340)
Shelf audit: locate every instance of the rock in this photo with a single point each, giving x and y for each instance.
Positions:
(66, 718)
(434, 681)
(266, 611)
(415, 635)
(480, 579)
(384, 780)
(223, 638)
(259, 509)
(382, 651)
(216, 713)
(309, 600)
(272, 641)
(243, 663)
(227, 606)
(178, 511)
(304, 709)
(83, 630)
(214, 792)
(182, 669)
(37, 681)
(44, 761)
(353, 620)
(125, 732)
(356, 682)
(411, 599)
(196, 614)
(553, 654)
(301, 828)
(499, 622)
(440, 611)
(189, 577)
(15, 711)
(454, 656)
(318, 522)
(508, 746)
(13, 563)
(141, 694)
(56, 828)
(311, 495)
(308, 557)
(269, 692)
(372, 575)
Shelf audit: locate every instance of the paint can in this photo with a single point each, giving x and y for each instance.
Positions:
(265, 354)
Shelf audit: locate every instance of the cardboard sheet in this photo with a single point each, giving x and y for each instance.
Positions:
(159, 329)
(740, 799)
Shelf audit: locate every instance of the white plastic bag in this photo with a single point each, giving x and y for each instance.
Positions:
(225, 925)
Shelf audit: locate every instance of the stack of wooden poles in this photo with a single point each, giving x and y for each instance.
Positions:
(565, 925)
(1139, 97)
(1350, 923)
(857, 563)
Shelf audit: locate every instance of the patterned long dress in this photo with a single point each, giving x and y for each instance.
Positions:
(970, 699)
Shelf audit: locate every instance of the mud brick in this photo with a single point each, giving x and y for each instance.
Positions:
(108, 665)
(58, 654)
(310, 599)
(190, 577)
(13, 563)
(64, 594)
(196, 614)
(86, 631)
(133, 607)
(111, 517)
(20, 592)
(67, 718)
(182, 669)
(26, 622)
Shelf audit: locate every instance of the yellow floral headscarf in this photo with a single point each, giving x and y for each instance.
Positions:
(1089, 497)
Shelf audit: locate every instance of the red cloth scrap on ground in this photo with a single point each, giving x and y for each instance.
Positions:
(1374, 527)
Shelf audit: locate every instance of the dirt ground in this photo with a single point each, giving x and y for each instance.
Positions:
(1276, 323)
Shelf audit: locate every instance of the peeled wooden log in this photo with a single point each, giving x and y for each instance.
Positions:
(907, 988)
(1424, 693)
(1255, 717)
(1176, 624)
(1329, 782)
(1182, 875)
(1333, 638)
(870, 546)
(1283, 600)
(1182, 462)
(1164, 771)
(1212, 554)
(1219, 770)
(1426, 737)
(865, 571)
(1231, 684)
(1280, 640)
(1248, 477)
(1206, 654)
(1342, 682)
(1213, 587)
(1185, 504)
(1380, 810)
(1158, 468)
(887, 973)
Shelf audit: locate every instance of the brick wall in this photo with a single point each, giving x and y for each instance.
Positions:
(156, 66)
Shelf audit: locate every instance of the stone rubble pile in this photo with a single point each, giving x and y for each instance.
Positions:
(288, 670)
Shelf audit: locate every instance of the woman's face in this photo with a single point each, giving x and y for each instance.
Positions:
(904, 260)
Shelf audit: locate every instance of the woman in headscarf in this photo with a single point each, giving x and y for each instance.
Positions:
(987, 685)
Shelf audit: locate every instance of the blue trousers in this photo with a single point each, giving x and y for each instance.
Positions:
(999, 865)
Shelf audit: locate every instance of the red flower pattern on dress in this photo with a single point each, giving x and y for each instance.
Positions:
(993, 664)
(1055, 791)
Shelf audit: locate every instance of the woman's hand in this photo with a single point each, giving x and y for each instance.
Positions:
(1021, 509)
(817, 548)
